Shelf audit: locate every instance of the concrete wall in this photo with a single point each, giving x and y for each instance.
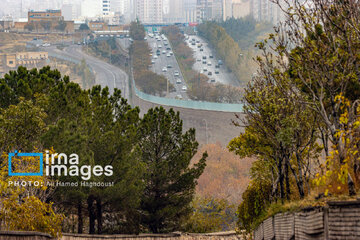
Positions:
(211, 126)
(338, 220)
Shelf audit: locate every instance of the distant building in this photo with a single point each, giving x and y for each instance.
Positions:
(207, 10)
(106, 7)
(176, 12)
(267, 11)
(103, 26)
(48, 15)
(149, 11)
(190, 10)
(67, 11)
(91, 8)
(240, 8)
(45, 21)
(11, 61)
(6, 25)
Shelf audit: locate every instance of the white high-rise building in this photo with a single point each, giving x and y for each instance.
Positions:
(91, 8)
(105, 7)
(149, 11)
(176, 12)
(190, 10)
(265, 10)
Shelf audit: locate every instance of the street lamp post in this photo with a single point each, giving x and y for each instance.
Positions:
(206, 131)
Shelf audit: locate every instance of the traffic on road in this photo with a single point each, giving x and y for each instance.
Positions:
(163, 61)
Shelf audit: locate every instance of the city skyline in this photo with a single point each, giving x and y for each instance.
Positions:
(148, 11)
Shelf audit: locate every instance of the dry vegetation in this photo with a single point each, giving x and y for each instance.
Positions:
(226, 176)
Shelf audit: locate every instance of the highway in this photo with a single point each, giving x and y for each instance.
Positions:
(164, 61)
(201, 65)
(105, 74)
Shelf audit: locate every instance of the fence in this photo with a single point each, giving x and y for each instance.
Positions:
(18, 235)
(338, 220)
(171, 236)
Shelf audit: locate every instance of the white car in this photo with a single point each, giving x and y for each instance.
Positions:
(209, 63)
(178, 96)
(178, 81)
(171, 53)
(164, 69)
(176, 73)
(184, 88)
(155, 57)
(163, 52)
(153, 61)
(168, 55)
(159, 46)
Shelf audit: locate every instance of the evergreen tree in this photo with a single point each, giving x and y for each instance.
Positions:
(170, 181)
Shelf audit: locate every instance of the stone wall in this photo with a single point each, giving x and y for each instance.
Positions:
(338, 220)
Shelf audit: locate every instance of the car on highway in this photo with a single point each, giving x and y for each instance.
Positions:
(204, 62)
(217, 66)
(211, 56)
(217, 71)
(210, 73)
(204, 57)
(199, 60)
(209, 63)
(168, 55)
(220, 62)
(184, 88)
(176, 73)
(178, 81)
(171, 53)
(212, 80)
(205, 70)
(163, 52)
(153, 61)
(159, 46)
(169, 66)
(201, 50)
(168, 48)
(178, 96)
(193, 43)
(164, 69)
(156, 57)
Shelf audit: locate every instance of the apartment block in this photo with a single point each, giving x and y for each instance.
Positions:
(149, 11)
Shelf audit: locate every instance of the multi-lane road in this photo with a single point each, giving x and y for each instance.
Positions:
(165, 63)
(106, 74)
(206, 62)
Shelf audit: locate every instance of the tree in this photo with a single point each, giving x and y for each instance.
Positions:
(170, 181)
(137, 31)
(61, 26)
(84, 27)
(210, 215)
(307, 33)
(20, 128)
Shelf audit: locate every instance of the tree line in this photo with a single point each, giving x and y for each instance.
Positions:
(145, 79)
(200, 87)
(154, 182)
(302, 112)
